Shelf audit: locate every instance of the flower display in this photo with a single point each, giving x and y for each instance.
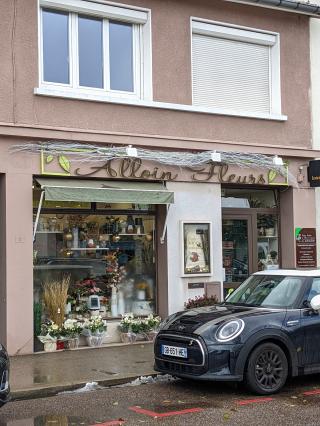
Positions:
(94, 325)
(200, 301)
(139, 325)
(72, 328)
(87, 287)
(50, 332)
(152, 322)
(50, 328)
(114, 273)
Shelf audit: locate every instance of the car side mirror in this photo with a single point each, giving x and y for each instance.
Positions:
(315, 303)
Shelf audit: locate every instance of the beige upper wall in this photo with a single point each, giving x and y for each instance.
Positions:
(171, 77)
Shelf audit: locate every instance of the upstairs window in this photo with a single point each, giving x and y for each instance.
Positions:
(235, 69)
(95, 48)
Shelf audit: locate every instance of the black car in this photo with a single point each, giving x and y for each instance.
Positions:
(4, 376)
(266, 330)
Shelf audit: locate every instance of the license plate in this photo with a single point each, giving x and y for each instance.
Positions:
(174, 351)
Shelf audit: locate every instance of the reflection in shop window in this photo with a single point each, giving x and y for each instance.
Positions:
(111, 256)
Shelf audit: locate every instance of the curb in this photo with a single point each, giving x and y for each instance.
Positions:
(54, 390)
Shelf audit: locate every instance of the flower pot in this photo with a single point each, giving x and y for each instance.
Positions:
(60, 344)
(151, 335)
(269, 232)
(72, 343)
(128, 337)
(94, 340)
(50, 346)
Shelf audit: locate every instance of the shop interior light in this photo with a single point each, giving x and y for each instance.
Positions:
(277, 161)
(216, 157)
(131, 152)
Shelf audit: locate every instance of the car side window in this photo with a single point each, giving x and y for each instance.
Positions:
(315, 289)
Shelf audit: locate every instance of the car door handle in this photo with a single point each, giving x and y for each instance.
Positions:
(293, 323)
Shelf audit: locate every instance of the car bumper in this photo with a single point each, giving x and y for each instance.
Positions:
(214, 362)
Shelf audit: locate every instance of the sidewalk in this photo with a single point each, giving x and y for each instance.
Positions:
(44, 374)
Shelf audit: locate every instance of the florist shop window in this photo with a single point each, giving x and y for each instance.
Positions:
(107, 253)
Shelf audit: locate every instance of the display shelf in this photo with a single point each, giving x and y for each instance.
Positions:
(267, 236)
(87, 248)
(133, 234)
(49, 232)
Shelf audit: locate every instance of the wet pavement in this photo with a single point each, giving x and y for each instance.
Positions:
(46, 373)
(171, 403)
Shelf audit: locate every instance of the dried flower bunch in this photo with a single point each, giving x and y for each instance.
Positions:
(200, 301)
(55, 294)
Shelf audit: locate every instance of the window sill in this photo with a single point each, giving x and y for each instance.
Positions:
(97, 97)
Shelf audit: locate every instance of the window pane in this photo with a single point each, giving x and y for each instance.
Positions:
(90, 52)
(121, 56)
(55, 47)
(97, 252)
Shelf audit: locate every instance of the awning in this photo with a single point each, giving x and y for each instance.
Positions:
(105, 191)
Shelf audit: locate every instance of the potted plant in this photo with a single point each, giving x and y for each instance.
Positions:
(50, 332)
(150, 326)
(200, 301)
(94, 329)
(268, 223)
(71, 331)
(126, 326)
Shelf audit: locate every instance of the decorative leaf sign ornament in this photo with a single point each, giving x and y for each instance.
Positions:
(49, 159)
(64, 163)
(272, 175)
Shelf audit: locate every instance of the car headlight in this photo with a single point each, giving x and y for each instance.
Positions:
(230, 330)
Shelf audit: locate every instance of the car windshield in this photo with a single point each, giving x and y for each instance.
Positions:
(270, 291)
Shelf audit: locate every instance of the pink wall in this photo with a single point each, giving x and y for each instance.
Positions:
(171, 78)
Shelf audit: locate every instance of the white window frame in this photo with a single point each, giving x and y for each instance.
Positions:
(249, 35)
(142, 60)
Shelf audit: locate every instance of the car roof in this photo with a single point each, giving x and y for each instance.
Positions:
(291, 272)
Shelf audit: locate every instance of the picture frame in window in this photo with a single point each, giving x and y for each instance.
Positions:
(196, 248)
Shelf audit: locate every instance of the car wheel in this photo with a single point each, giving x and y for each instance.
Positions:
(267, 369)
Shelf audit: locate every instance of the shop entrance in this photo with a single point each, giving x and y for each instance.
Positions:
(250, 233)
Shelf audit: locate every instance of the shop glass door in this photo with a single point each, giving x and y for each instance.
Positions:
(236, 250)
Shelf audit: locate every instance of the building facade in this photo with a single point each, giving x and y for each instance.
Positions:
(82, 83)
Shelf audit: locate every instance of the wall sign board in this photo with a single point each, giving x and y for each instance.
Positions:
(306, 248)
(314, 173)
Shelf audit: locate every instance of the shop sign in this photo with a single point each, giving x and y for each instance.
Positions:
(193, 286)
(128, 168)
(306, 248)
(314, 173)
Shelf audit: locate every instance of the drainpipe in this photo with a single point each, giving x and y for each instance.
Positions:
(287, 5)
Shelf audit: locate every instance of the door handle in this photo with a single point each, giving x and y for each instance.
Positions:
(292, 323)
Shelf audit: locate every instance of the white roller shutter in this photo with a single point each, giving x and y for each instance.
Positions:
(231, 74)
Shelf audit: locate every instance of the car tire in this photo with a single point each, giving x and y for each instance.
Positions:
(267, 369)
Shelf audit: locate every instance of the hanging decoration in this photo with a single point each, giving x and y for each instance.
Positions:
(96, 153)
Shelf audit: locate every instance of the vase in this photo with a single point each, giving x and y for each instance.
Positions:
(72, 343)
(141, 295)
(95, 340)
(128, 337)
(151, 335)
(269, 232)
(50, 346)
(121, 306)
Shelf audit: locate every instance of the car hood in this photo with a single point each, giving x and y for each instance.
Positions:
(197, 320)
